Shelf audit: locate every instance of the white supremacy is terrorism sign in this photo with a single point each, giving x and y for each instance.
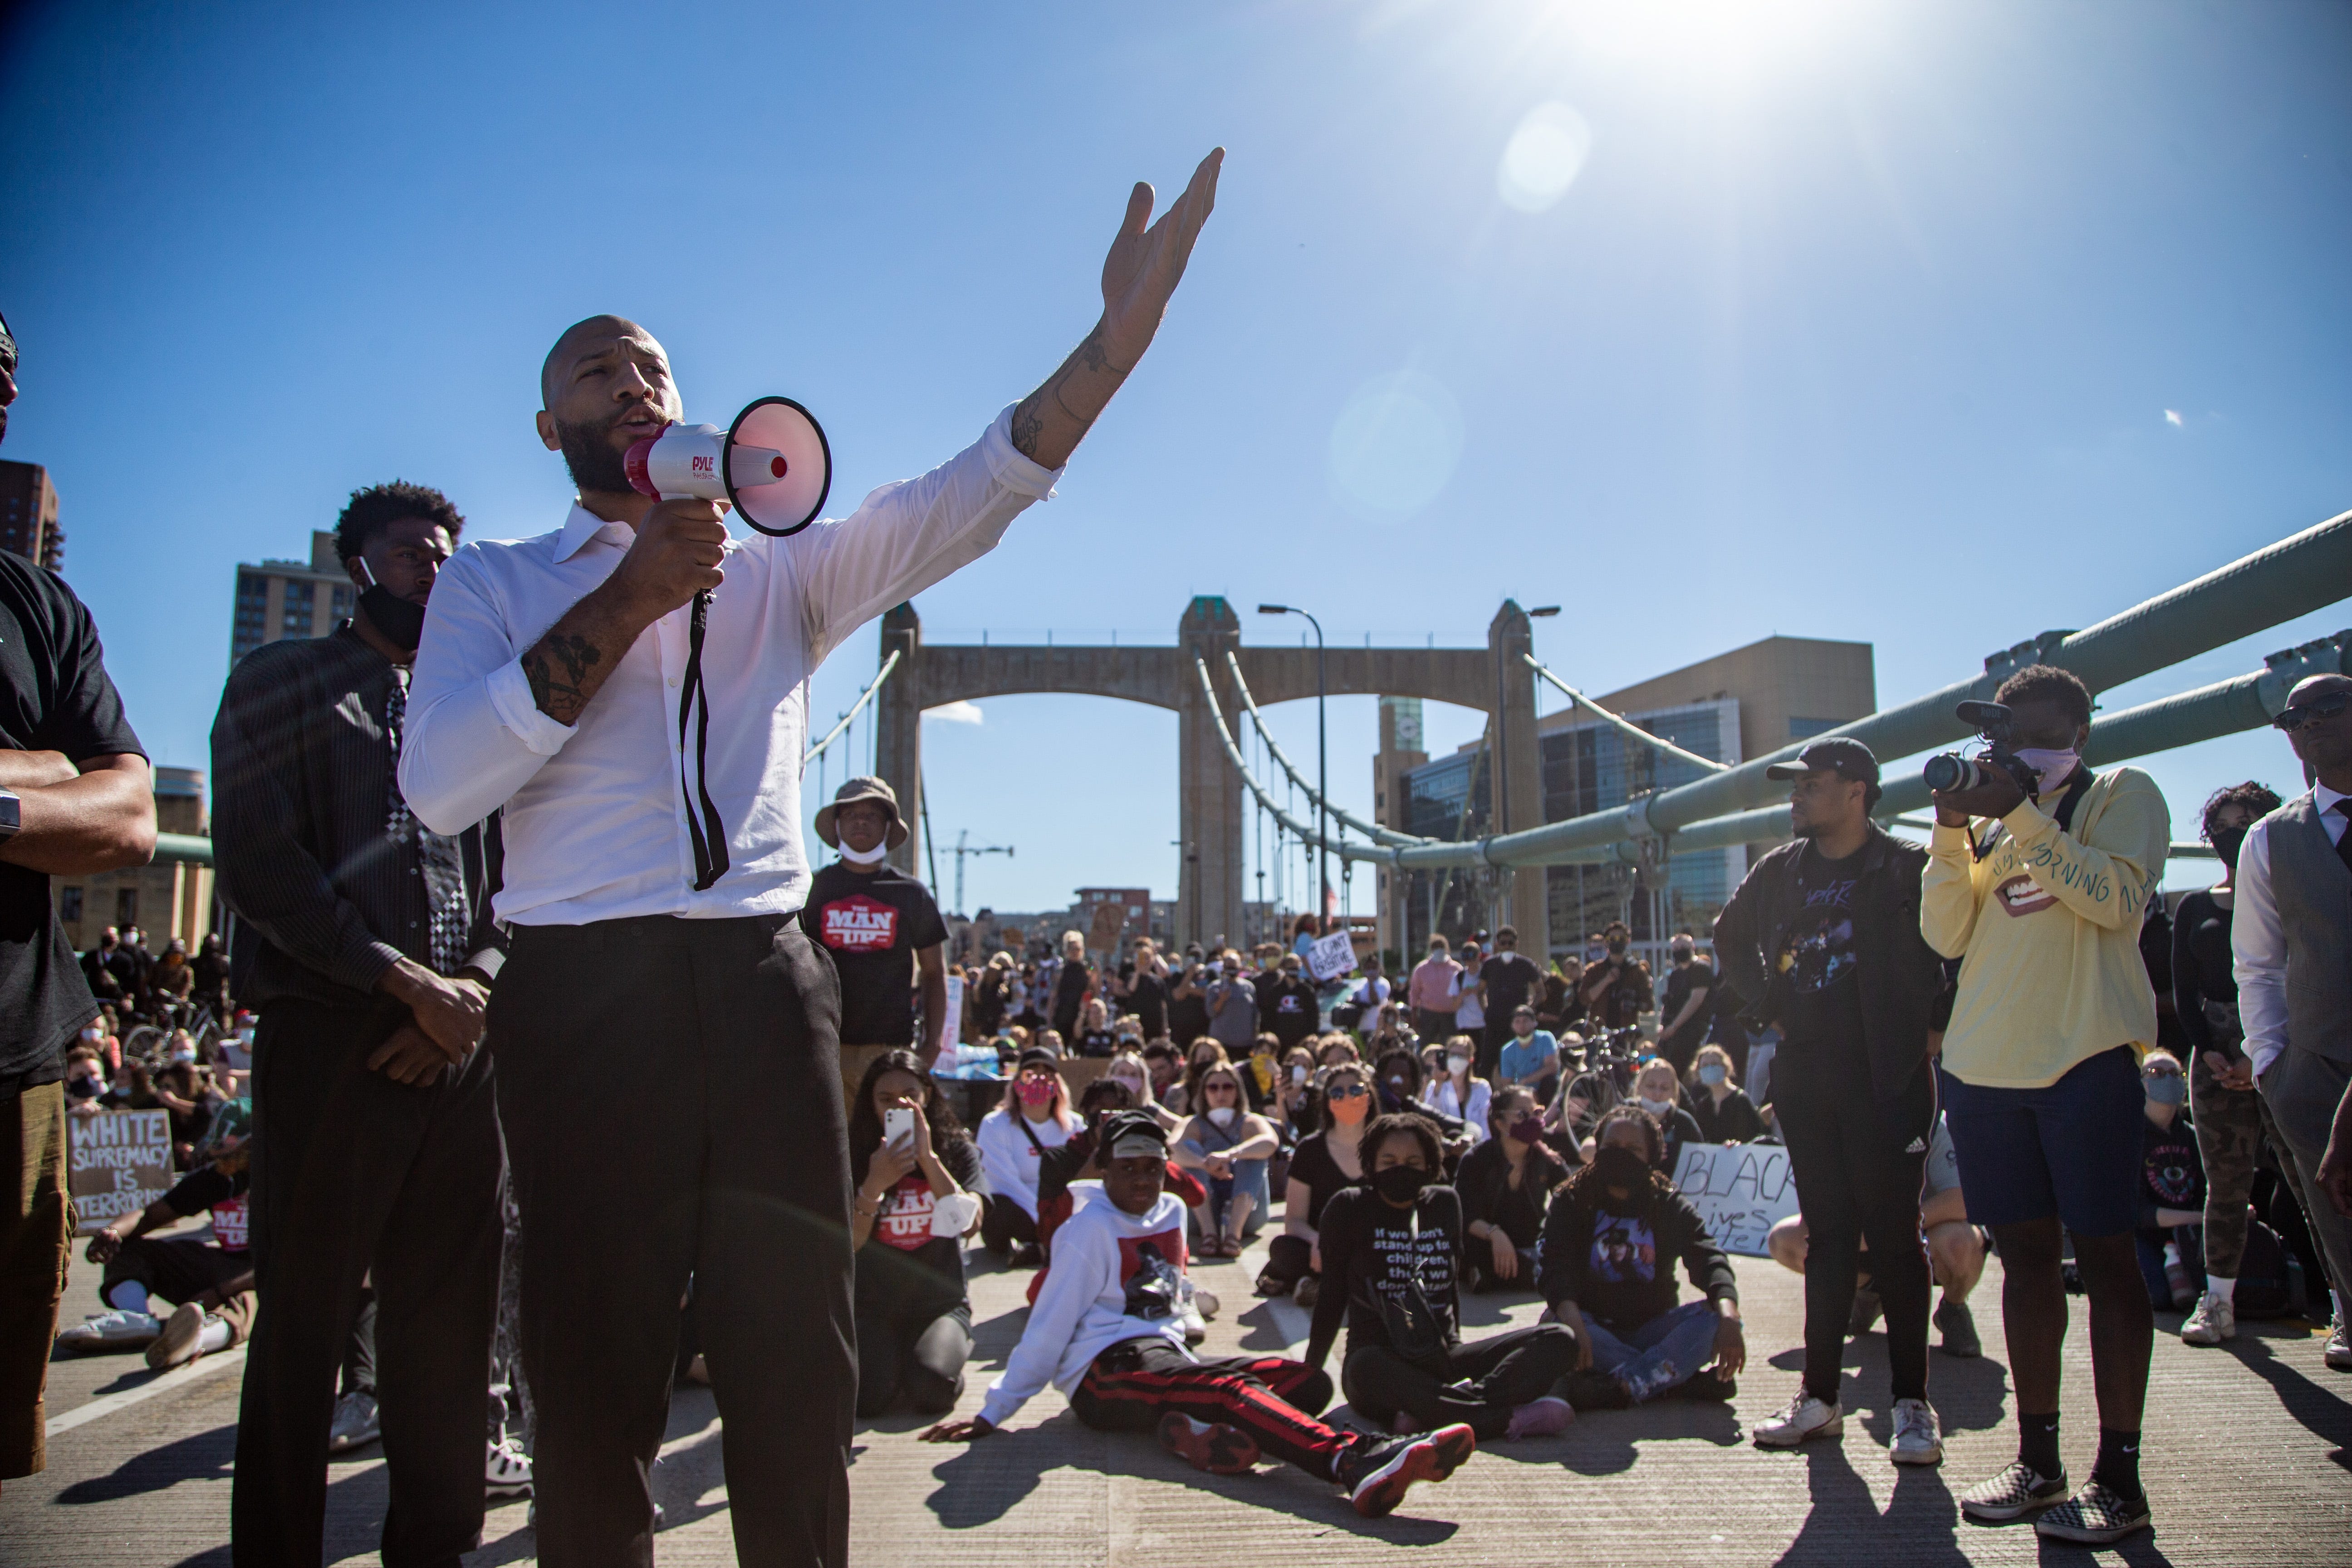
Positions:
(1742, 1191)
(120, 1163)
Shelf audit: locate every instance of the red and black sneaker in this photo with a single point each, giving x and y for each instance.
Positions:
(1210, 1445)
(1377, 1473)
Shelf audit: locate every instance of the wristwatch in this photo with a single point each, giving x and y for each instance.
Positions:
(12, 813)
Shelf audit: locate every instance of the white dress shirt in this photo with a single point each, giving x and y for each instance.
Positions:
(2257, 940)
(596, 823)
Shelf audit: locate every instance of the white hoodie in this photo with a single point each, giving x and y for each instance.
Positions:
(1089, 1301)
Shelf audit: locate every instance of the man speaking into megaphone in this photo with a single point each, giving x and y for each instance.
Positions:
(632, 688)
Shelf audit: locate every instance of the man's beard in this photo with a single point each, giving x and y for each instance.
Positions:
(1805, 831)
(588, 453)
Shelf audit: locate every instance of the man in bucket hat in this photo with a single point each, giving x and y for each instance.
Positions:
(878, 923)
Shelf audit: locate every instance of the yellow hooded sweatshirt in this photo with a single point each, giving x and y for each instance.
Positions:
(2047, 929)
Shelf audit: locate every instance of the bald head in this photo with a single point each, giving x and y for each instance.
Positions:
(582, 340)
(2311, 687)
(2318, 724)
(604, 386)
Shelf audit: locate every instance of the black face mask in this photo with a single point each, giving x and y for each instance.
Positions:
(1617, 947)
(400, 621)
(1621, 1167)
(2226, 841)
(1399, 1184)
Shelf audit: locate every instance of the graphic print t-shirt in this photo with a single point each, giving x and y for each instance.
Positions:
(1622, 1268)
(1817, 960)
(1370, 1254)
(2171, 1171)
(872, 926)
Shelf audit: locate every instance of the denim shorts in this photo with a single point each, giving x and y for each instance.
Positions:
(2070, 1149)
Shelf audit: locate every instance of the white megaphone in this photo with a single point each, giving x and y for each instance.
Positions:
(772, 463)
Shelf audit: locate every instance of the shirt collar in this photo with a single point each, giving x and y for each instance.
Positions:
(580, 526)
(2323, 798)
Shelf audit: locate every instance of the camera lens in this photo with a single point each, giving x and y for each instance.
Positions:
(1946, 772)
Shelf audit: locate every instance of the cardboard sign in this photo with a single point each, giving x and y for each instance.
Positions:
(1103, 933)
(1331, 956)
(121, 1161)
(1741, 1191)
(953, 1012)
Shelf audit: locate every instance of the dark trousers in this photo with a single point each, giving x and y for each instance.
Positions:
(1131, 1385)
(1289, 1259)
(1004, 1224)
(914, 1361)
(179, 1270)
(671, 1094)
(1488, 1056)
(353, 1176)
(1483, 1380)
(1858, 1176)
(35, 1229)
(1433, 1026)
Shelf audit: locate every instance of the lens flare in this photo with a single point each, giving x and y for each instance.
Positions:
(1395, 444)
(1543, 157)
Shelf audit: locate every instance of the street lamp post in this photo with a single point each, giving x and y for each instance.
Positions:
(1322, 759)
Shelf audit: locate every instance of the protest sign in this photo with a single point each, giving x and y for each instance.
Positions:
(1331, 956)
(953, 1012)
(1741, 1191)
(121, 1161)
(1103, 931)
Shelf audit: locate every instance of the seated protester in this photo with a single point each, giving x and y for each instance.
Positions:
(1130, 1068)
(1457, 1093)
(1956, 1251)
(1295, 1110)
(1394, 1250)
(1337, 1048)
(1095, 1036)
(1261, 1074)
(1105, 1331)
(84, 1080)
(1323, 1163)
(180, 1089)
(1529, 1058)
(210, 1282)
(1166, 1064)
(2171, 1186)
(1609, 1247)
(1013, 1137)
(1722, 1112)
(1076, 1162)
(1396, 1081)
(1505, 1184)
(1229, 1146)
(1657, 1090)
(913, 1315)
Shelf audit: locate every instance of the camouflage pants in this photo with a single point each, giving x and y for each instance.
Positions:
(2230, 1126)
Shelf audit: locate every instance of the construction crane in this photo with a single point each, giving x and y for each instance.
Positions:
(961, 849)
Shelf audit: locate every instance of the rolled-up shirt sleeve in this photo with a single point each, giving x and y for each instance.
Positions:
(2258, 952)
(474, 734)
(906, 536)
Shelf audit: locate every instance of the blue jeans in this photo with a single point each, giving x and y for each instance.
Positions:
(1662, 1353)
(1248, 1180)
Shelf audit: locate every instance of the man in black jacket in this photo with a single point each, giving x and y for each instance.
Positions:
(376, 1144)
(1822, 939)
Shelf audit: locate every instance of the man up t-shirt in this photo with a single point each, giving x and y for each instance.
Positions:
(872, 927)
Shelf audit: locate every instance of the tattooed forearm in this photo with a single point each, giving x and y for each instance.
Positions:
(563, 674)
(1050, 421)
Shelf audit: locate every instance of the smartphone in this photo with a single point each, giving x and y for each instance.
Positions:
(897, 1124)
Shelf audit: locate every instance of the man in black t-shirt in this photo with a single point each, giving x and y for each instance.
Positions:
(76, 798)
(877, 923)
(1287, 1006)
(1684, 1013)
(1615, 987)
(1506, 981)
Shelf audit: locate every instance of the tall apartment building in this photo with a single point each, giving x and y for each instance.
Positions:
(28, 515)
(291, 598)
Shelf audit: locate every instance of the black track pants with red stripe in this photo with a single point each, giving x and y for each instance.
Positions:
(1132, 1385)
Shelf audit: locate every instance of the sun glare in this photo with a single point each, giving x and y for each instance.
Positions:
(1721, 37)
(1543, 157)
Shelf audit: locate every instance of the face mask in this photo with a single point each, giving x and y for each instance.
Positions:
(866, 857)
(1298, 1075)
(1134, 1088)
(1656, 1107)
(1713, 1073)
(1035, 1091)
(400, 621)
(1682, 954)
(2169, 1089)
(1393, 1092)
(1616, 946)
(1457, 1065)
(1399, 1184)
(1526, 1128)
(1223, 1115)
(1350, 1109)
(1621, 1167)
(2226, 841)
(2050, 768)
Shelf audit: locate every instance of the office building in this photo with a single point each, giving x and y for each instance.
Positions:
(290, 598)
(28, 515)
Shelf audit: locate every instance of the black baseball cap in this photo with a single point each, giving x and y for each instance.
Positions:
(1129, 1133)
(1846, 758)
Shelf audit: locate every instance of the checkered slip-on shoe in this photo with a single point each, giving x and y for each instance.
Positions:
(2098, 1515)
(2012, 1494)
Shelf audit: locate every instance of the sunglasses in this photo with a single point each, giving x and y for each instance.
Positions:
(2292, 719)
(1345, 1091)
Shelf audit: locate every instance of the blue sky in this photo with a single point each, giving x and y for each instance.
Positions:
(1855, 321)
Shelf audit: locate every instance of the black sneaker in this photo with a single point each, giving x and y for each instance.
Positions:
(1376, 1473)
(1866, 1309)
(1706, 1385)
(1210, 1445)
(1593, 1389)
(2098, 1515)
(1959, 1327)
(1029, 1256)
(2015, 1492)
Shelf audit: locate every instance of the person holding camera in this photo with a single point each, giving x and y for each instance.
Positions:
(654, 872)
(1822, 938)
(2292, 937)
(2037, 872)
(1615, 988)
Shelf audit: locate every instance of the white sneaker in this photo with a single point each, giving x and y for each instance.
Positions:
(192, 1332)
(356, 1422)
(111, 1331)
(1916, 1439)
(506, 1470)
(1194, 1323)
(2339, 1346)
(1804, 1416)
(2214, 1320)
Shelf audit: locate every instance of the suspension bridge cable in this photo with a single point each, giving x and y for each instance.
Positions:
(864, 697)
(1371, 830)
(1626, 727)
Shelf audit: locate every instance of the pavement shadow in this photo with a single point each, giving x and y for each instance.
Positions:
(1844, 1526)
(203, 1456)
(1263, 1328)
(2322, 1411)
(1604, 1442)
(981, 1482)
